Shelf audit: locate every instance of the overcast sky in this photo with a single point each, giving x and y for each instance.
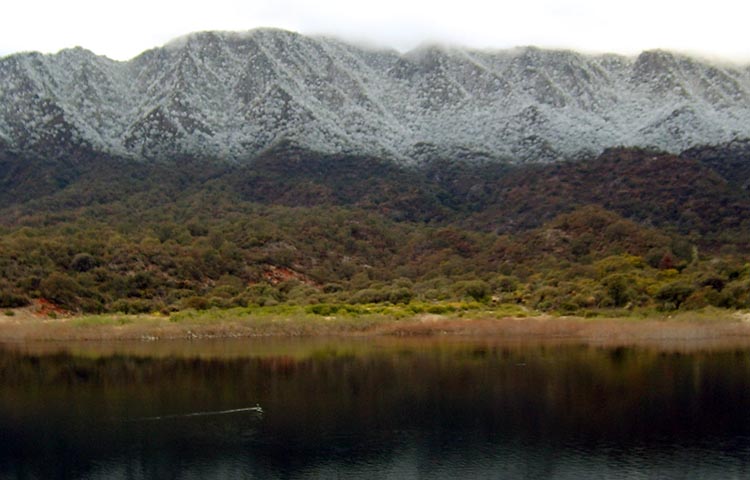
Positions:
(121, 30)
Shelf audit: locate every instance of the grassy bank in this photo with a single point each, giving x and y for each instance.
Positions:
(37, 323)
(414, 319)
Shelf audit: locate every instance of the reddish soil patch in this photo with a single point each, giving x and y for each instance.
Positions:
(43, 308)
(275, 275)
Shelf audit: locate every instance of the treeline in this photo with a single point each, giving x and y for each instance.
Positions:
(695, 194)
(632, 228)
(209, 250)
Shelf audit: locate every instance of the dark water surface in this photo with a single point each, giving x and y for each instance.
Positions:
(373, 409)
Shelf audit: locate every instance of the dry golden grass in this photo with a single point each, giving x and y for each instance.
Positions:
(709, 326)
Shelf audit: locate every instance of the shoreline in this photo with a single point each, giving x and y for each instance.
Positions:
(731, 327)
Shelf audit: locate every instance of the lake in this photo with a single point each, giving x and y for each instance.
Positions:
(373, 408)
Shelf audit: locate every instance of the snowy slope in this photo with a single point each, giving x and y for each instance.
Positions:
(232, 96)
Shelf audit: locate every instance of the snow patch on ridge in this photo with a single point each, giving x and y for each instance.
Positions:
(232, 96)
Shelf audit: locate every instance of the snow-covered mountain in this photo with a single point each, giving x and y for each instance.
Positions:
(234, 95)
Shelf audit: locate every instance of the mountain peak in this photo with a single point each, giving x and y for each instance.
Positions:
(233, 94)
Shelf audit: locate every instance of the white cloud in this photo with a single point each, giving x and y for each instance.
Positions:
(122, 30)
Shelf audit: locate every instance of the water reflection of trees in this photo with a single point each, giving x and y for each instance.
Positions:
(333, 403)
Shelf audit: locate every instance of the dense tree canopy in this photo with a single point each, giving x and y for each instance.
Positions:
(629, 229)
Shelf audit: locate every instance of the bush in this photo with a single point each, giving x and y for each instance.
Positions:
(83, 262)
(736, 294)
(322, 309)
(370, 295)
(441, 309)
(547, 298)
(261, 294)
(567, 307)
(400, 295)
(197, 230)
(619, 289)
(12, 300)
(674, 294)
(195, 302)
(504, 283)
(478, 290)
(332, 288)
(61, 289)
(133, 306)
(700, 298)
(713, 281)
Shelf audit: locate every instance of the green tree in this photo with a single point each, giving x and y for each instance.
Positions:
(674, 294)
(62, 290)
(83, 262)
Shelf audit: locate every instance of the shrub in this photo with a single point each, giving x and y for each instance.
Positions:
(83, 262)
(674, 294)
(12, 300)
(478, 290)
(261, 294)
(332, 288)
(133, 306)
(322, 309)
(736, 294)
(441, 309)
(699, 298)
(219, 302)
(197, 230)
(226, 291)
(504, 283)
(195, 302)
(400, 295)
(61, 289)
(546, 298)
(567, 307)
(619, 289)
(370, 295)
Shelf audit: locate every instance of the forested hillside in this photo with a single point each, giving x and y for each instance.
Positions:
(630, 228)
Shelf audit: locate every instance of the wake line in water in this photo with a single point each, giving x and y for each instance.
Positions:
(258, 409)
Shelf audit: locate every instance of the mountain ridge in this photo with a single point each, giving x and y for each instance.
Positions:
(232, 96)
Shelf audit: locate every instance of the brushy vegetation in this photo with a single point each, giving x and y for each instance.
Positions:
(326, 262)
(630, 231)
